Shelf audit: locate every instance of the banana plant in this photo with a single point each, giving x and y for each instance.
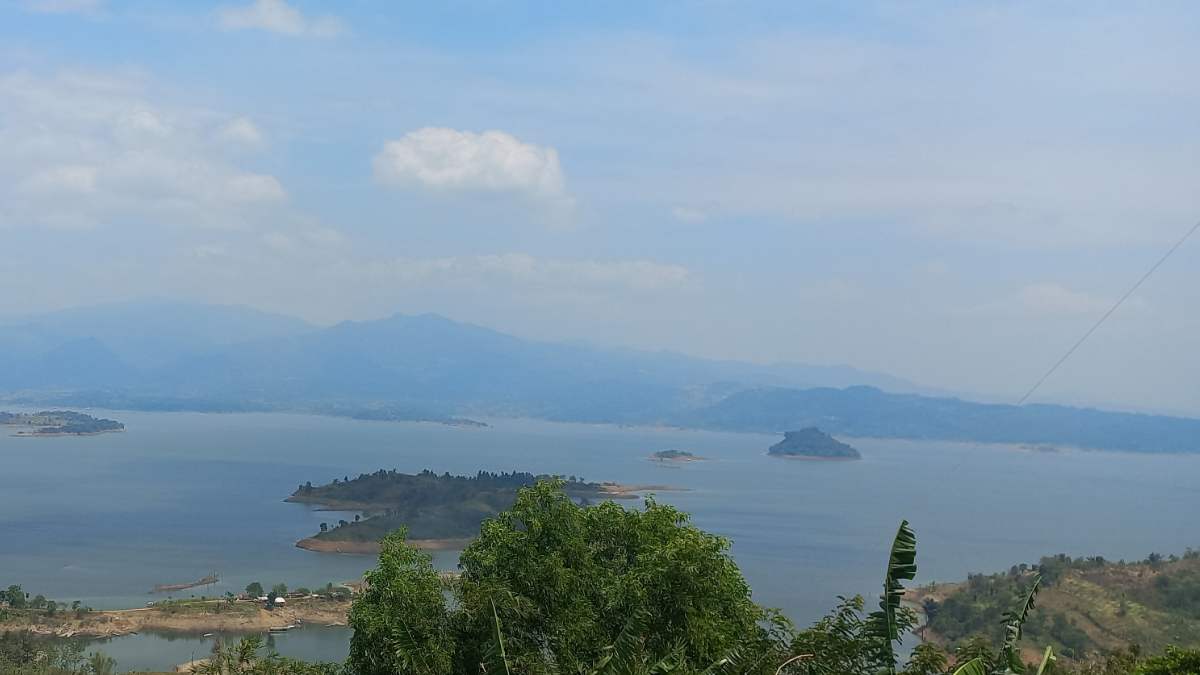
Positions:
(888, 623)
(1014, 621)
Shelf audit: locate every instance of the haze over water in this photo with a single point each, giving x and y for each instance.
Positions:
(102, 519)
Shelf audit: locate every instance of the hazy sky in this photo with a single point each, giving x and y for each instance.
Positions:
(949, 192)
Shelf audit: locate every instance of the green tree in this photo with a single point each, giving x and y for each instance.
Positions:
(1174, 661)
(926, 659)
(975, 647)
(279, 590)
(101, 664)
(15, 597)
(400, 622)
(254, 589)
(557, 586)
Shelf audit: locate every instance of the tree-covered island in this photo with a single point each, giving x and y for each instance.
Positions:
(58, 423)
(811, 442)
(439, 510)
(675, 456)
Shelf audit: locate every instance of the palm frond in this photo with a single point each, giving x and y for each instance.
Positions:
(497, 655)
(884, 625)
(1048, 660)
(1014, 621)
(975, 666)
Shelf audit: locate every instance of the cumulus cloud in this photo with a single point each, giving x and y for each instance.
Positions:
(83, 150)
(452, 160)
(276, 16)
(240, 131)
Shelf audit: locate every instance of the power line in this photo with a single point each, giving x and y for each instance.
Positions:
(1109, 313)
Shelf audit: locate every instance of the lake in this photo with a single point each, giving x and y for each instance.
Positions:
(102, 519)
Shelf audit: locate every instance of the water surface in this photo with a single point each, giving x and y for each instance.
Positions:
(102, 519)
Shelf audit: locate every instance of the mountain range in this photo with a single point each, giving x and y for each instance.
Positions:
(179, 356)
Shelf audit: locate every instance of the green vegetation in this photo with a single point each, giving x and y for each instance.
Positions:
(18, 607)
(812, 442)
(59, 422)
(247, 657)
(430, 505)
(552, 586)
(1087, 605)
(674, 456)
(23, 654)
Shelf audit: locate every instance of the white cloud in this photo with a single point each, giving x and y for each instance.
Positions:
(240, 131)
(63, 6)
(255, 187)
(88, 149)
(70, 178)
(492, 161)
(276, 16)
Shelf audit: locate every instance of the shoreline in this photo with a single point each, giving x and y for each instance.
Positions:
(187, 617)
(813, 458)
(372, 547)
(53, 434)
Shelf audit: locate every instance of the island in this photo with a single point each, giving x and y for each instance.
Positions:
(812, 443)
(675, 456)
(441, 511)
(58, 423)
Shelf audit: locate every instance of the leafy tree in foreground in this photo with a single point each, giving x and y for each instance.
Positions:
(551, 586)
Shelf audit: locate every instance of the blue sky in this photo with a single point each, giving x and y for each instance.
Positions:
(947, 192)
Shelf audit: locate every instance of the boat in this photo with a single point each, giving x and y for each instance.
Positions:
(281, 629)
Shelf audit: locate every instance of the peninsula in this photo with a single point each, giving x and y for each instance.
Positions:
(812, 443)
(441, 511)
(58, 423)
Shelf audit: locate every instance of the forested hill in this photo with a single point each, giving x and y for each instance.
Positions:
(430, 505)
(866, 411)
(1086, 605)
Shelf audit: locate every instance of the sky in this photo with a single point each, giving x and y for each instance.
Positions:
(947, 192)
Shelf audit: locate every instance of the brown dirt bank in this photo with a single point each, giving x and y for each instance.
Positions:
(372, 547)
(199, 616)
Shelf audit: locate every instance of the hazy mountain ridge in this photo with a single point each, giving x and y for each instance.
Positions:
(866, 411)
(430, 367)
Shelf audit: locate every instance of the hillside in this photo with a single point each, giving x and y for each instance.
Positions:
(1086, 605)
(205, 358)
(869, 412)
(812, 443)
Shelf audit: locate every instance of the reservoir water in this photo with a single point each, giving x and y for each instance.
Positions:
(177, 496)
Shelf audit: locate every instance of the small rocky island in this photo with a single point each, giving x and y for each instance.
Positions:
(812, 443)
(58, 423)
(675, 456)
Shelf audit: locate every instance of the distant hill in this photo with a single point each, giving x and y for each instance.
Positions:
(165, 356)
(199, 357)
(865, 411)
(813, 443)
(135, 335)
(1086, 605)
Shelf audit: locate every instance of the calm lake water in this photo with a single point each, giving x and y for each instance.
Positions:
(102, 519)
